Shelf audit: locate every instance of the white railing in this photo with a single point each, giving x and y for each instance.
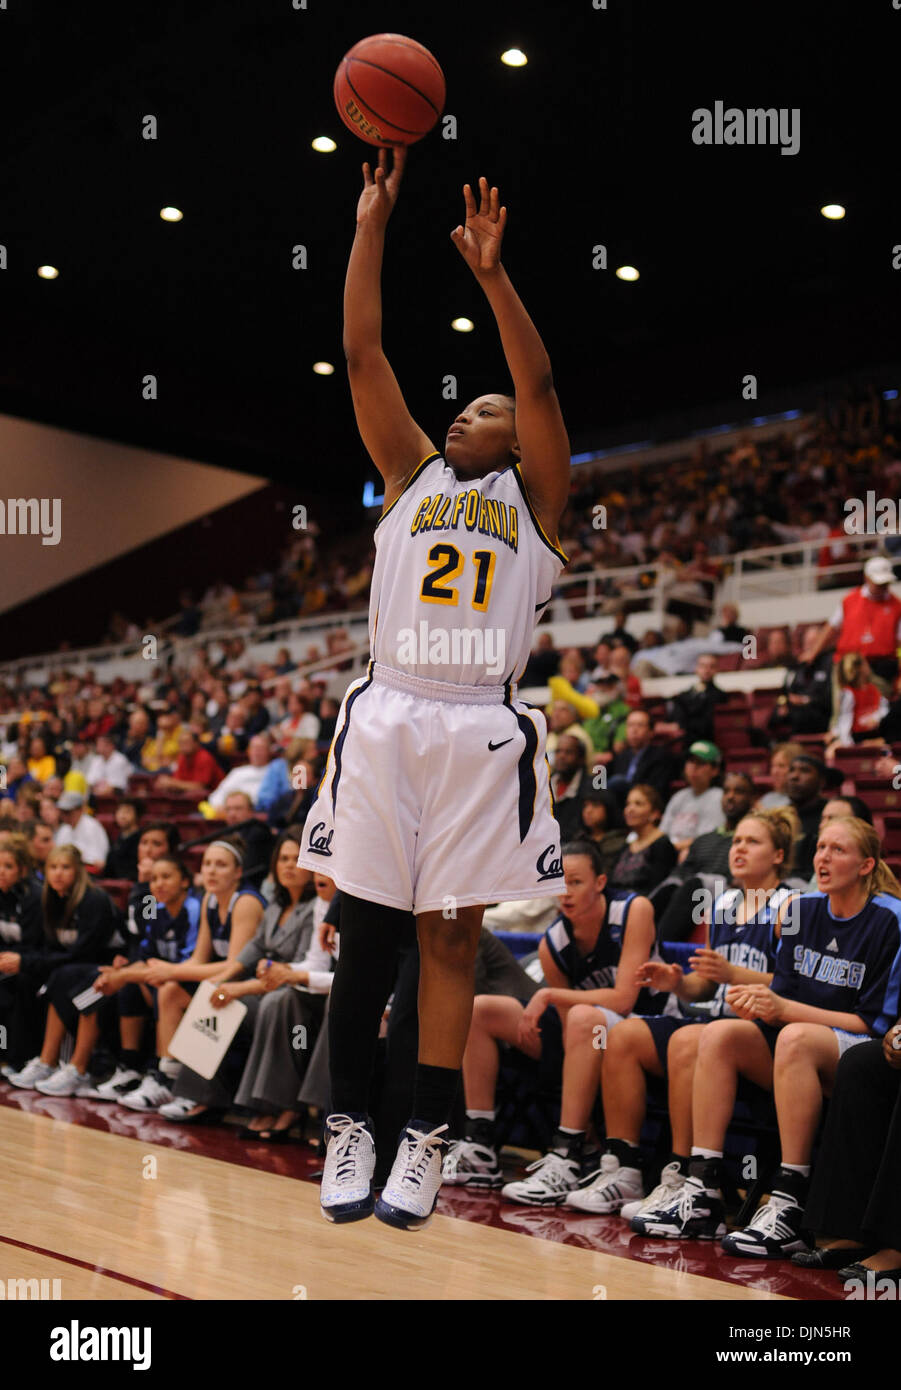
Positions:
(774, 572)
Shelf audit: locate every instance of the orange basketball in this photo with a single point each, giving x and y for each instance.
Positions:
(389, 90)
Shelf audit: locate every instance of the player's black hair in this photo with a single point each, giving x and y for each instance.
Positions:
(169, 829)
(859, 807)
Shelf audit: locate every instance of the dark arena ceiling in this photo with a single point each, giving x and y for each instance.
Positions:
(590, 144)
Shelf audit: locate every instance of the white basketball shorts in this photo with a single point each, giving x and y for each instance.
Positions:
(434, 797)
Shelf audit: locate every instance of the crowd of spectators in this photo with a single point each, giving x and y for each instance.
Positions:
(190, 790)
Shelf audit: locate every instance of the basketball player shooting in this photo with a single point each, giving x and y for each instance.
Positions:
(436, 797)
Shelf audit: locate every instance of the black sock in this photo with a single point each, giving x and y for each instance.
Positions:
(628, 1154)
(708, 1171)
(480, 1131)
(364, 976)
(129, 1059)
(434, 1092)
(570, 1145)
(683, 1161)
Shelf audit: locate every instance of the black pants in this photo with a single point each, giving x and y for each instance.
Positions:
(22, 1015)
(855, 1193)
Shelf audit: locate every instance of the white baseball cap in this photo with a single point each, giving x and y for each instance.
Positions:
(879, 570)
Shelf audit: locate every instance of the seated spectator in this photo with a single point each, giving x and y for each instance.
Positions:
(602, 825)
(804, 784)
(705, 866)
(639, 760)
(122, 861)
(278, 777)
(698, 807)
(41, 764)
(17, 775)
(256, 715)
(691, 712)
(196, 772)
(742, 941)
(572, 669)
(255, 836)
(861, 706)
(229, 915)
(780, 761)
(839, 808)
(21, 929)
(778, 650)
(568, 781)
(78, 926)
(563, 719)
(542, 663)
(109, 770)
(328, 718)
(162, 752)
(248, 778)
(170, 933)
(590, 957)
(298, 723)
(138, 739)
(853, 1199)
(290, 969)
(789, 1038)
(39, 840)
(730, 629)
(805, 702)
(619, 633)
(602, 707)
(83, 831)
(620, 665)
(648, 855)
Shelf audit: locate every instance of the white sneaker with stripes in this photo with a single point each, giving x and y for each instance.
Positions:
(671, 1179)
(606, 1190)
(552, 1177)
(150, 1095)
(29, 1076)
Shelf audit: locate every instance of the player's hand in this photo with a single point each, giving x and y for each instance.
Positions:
(9, 962)
(528, 1032)
(658, 975)
(891, 1046)
(479, 241)
(107, 981)
(327, 934)
(380, 188)
(756, 1001)
(710, 965)
(158, 973)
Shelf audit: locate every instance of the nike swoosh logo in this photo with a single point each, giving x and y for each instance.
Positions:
(493, 746)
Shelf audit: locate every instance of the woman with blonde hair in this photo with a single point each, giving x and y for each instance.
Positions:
(836, 983)
(230, 912)
(78, 926)
(743, 938)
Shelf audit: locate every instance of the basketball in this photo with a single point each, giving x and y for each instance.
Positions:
(389, 90)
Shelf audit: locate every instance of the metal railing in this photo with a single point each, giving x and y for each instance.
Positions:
(773, 572)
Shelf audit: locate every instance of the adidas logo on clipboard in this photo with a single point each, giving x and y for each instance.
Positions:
(208, 1026)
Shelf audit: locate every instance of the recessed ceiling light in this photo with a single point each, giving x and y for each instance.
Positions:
(324, 144)
(462, 325)
(323, 368)
(171, 214)
(514, 58)
(48, 272)
(834, 211)
(627, 272)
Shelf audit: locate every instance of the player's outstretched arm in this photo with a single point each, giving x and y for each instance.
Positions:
(392, 437)
(540, 431)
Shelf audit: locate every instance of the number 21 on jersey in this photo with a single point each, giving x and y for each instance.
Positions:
(447, 563)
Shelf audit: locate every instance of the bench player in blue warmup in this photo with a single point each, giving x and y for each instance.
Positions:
(436, 795)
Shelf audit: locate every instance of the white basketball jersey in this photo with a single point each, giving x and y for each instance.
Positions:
(462, 572)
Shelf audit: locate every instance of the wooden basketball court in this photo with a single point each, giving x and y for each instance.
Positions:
(117, 1218)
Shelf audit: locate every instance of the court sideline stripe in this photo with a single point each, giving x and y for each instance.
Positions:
(97, 1269)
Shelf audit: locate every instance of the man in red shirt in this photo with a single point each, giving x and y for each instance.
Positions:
(196, 770)
(868, 621)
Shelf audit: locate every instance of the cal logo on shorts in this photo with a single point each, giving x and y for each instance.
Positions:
(548, 867)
